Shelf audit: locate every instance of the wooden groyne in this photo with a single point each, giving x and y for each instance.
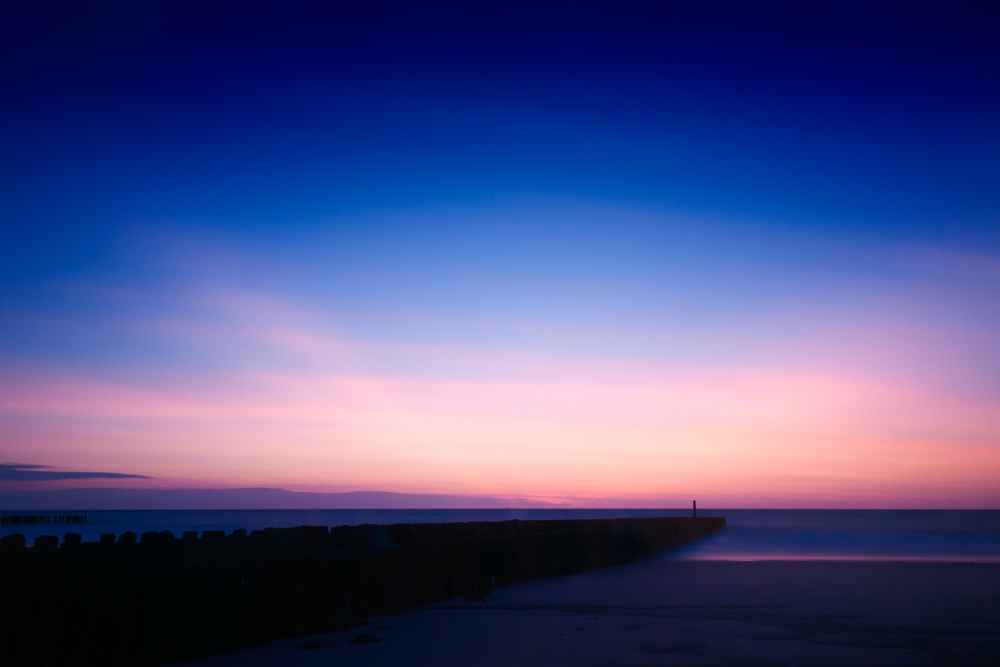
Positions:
(156, 599)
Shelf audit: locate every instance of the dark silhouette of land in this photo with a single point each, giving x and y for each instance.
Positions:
(246, 499)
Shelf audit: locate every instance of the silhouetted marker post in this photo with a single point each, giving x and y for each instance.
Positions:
(694, 509)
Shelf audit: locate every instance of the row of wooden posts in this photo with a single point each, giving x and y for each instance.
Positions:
(161, 599)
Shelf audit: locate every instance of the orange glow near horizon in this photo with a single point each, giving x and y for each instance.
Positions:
(570, 430)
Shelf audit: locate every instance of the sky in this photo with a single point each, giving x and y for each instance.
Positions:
(589, 253)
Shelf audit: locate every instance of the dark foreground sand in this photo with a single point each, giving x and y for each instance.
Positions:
(689, 613)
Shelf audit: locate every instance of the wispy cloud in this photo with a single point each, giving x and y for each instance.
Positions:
(942, 261)
(21, 472)
(222, 385)
(559, 426)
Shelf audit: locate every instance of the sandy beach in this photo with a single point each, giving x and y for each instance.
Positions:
(688, 613)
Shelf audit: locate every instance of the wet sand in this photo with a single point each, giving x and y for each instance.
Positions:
(688, 613)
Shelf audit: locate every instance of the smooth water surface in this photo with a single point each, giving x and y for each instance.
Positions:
(893, 535)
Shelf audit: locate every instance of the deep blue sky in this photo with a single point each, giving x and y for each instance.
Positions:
(809, 184)
(398, 151)
(855, 115)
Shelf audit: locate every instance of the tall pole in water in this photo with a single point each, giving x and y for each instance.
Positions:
(694, 509)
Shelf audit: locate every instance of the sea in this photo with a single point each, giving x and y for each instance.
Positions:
(751, 534)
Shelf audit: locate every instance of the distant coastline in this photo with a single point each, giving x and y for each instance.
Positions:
(246, 499)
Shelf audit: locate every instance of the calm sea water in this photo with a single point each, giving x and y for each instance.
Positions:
(901, 535)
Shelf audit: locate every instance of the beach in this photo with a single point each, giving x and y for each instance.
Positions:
(776, 587)
(659, 612)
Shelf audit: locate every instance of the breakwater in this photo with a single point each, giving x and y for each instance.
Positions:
(158, 598)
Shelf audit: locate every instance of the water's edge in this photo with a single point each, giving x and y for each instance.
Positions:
(895, 535)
